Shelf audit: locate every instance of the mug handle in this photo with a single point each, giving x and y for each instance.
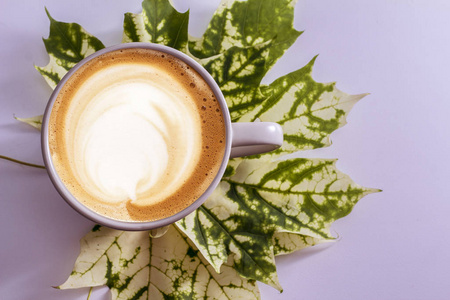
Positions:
(249, 138)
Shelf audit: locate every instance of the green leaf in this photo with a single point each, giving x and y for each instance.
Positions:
(159, 23)
(307, 110)
(263, 206)
(242, 42)
(67, 44)
(301, 196)
(135, 266)
(285, 242)
(238, 72)
(35, 122)
(249, 23)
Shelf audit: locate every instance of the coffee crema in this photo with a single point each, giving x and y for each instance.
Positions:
(136, 135)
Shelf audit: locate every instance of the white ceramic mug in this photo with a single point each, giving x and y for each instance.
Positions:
(242, 139)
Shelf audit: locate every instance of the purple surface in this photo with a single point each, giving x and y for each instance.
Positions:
(394, 245)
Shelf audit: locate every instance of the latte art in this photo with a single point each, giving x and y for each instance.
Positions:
(123, 145)
(136, 135)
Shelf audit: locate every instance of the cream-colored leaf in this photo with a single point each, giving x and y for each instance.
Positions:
(134, 265)
(35, 122)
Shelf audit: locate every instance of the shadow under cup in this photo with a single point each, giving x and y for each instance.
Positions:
(271, 137)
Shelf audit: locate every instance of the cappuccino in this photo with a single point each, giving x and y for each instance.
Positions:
(136, 135)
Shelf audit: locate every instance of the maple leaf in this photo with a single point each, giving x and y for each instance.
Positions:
(35, 122)
(134, 266)
(264, 205)
(67, 44)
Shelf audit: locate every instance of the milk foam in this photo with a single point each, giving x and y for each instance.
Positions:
(137, 137)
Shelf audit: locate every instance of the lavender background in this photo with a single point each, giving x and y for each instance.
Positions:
(394, 245)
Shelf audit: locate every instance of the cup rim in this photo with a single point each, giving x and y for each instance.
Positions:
(137, 225)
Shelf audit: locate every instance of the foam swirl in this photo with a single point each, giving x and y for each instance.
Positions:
(137, 138)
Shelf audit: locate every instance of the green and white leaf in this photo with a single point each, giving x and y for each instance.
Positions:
(238, 72)
(35, 122)
(135, 266)
(235, 233)
(307, 110)
(286, 242)
(67, 44)
(242, 42)
(300, 196)
(263, 206)
(248, 23)
(159, 23)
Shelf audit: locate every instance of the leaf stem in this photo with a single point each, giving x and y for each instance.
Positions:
(90, 291)
(21, 162)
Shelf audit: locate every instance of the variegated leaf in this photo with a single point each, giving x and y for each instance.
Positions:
(159, 23)
(35, 122)
(226, 217)
(249, 23)
(301, 196)
(286, 242)
(135, 266)
(67, 44)
(307, 110)
(238, 72)
(262, 207)
(231, 167)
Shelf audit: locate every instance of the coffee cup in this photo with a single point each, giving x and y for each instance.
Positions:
(137, 136)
